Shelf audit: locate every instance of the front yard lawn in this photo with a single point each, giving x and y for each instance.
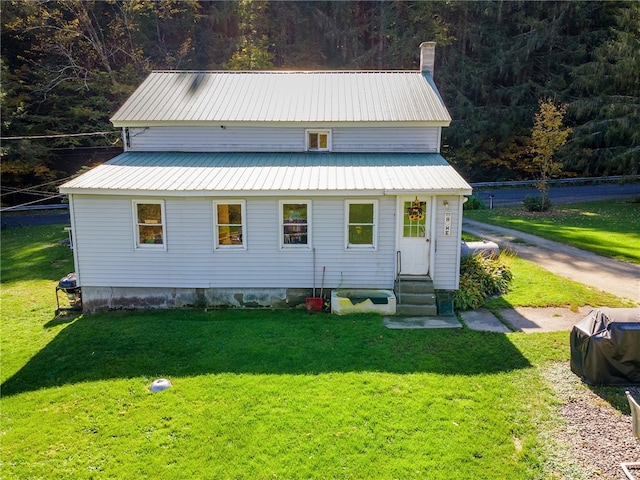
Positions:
(260, 394)
(610, 228)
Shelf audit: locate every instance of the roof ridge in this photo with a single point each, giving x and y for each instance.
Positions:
(256, 72)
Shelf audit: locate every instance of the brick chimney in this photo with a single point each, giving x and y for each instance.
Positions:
(427, 57)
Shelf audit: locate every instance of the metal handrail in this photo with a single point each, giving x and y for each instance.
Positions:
(398, 270)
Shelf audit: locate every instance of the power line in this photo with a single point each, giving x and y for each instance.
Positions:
(12, 190)
(30, 203)
(62, 135)
(60, 180)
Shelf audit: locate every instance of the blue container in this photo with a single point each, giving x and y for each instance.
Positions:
(68, 282)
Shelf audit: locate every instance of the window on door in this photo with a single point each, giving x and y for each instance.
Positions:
(229, 221)
(415, 219)
(361, 224)
(295, 221)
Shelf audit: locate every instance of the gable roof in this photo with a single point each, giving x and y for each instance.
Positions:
(253, 174)
(167, 97)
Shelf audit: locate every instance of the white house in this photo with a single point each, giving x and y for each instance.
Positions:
(237, 188)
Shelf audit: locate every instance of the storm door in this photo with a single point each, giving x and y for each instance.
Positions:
(413, 235)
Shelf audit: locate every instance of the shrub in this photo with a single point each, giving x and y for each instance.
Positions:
(626, 179)
(473, 203)
(481, 276)
(534, 203)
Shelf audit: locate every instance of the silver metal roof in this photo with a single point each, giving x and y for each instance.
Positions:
(167, 173)
(280, 96)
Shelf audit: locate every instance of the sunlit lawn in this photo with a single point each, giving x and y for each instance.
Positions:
(610, 228)
(258, 394)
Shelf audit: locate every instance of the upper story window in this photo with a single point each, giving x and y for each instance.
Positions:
(229, 221)
(318, 140)
(361, 224)
(295, 220)
(149, 219)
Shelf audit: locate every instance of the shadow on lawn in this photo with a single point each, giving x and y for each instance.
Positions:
(190, 342)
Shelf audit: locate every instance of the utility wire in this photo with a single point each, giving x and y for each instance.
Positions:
(62, 135)
(60, 180)
(12, 190)
(30, 203)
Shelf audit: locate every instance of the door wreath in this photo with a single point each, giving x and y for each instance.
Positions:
(415, 211)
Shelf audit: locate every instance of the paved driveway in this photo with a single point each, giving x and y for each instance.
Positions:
(607, 274)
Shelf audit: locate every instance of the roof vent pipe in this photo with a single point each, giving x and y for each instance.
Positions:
(427, 57)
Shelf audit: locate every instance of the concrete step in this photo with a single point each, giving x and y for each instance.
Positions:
(424, 288)
(416, 298)
(415, 278)
(416, 310)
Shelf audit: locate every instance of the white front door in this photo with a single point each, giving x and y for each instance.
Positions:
(413, 234)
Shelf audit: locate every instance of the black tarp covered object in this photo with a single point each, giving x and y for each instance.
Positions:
(605, 347)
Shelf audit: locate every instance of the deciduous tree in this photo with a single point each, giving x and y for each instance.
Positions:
(547, 137)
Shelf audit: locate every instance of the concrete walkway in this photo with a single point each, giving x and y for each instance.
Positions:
(524, 319)
(609, 275)
(519, 319)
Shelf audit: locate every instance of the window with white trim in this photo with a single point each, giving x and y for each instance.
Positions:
(229, 221)
(295, 220)
(149, 219)
(318, 140)
(361, 228)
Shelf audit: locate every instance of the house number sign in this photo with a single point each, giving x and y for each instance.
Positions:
(447, 224)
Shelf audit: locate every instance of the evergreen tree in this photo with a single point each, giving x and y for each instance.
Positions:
(606, 105)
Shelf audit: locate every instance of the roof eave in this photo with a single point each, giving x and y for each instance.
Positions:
(445, 122)
(261, 193)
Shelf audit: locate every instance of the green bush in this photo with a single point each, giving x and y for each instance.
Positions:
(534, 203)
(473, 203)
(480, 277)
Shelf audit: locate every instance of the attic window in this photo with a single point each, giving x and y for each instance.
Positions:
(318, 140)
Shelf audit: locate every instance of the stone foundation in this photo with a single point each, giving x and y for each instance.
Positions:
(98, 299)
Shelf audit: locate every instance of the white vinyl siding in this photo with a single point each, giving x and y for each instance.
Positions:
(386, 139)
(106, 256)
(446, 273)
(281, 139)
(218, 138)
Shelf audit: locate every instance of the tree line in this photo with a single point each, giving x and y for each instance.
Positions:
(67, 66)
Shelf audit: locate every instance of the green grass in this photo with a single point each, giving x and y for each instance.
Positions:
(258, 394)
(533, 286)
(610, 228)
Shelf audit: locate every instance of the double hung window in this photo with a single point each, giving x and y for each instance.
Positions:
(229, 224)
(295, 221)
(361, 224)
(149, 223)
